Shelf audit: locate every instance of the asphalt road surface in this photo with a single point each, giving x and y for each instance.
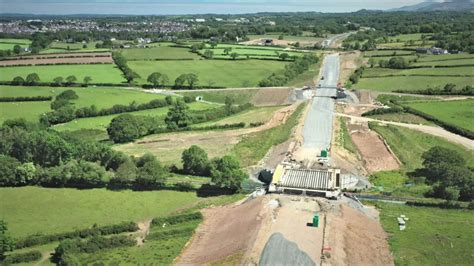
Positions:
(317, 131)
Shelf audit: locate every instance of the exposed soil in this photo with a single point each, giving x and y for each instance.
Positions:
(73, 58)
(226, 230)
(143, 230)
(355, 239)
(291, 219)
(349, 63)
(272, 97)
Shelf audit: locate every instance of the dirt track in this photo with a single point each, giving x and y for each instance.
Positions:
(225, 231)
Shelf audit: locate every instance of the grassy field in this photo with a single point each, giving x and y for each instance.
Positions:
(101, 122)
(459, 113)
(224, 73)
(344, 139)
(403, 118)
(31, 210)
(100, 73)
(452, 71)
(159, 52)
(409, 145)
(410, 83)
(27, 110)
(253, 147)
(100, 97)
(378, 53)
(397, 184)
(255, 115)
(253, 53)
(8, 44)
(239, 96)
(432, 237)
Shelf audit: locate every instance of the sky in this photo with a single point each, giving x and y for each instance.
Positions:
(170, 7)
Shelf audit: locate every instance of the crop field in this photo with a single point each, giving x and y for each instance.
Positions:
(433, 236)
(100, 97)
(239, 96)
(102, 73)
(410, 83)
(159, 52)
(8, 44)
(31, 210)
(409, 145)
(222, 73)
(101, 122)
(459, 113)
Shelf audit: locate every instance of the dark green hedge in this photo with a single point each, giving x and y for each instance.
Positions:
(442, 205)
(381, 111)
(26, 99)
(177, 219)
(26, 257)
(103, 230)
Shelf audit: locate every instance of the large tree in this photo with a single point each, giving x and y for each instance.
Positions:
(32, 78)
(226, 172)
(195, 161)
(151, 174)
(178, 116)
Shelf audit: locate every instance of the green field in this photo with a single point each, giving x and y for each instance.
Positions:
(31, 210)
(459, 113)
(398, 184)
(403, 118)
(8, 44)
(409, 145)
(100, 73)
(253, 147)
(255, 115)
(410, 83)
(159, 52)
(253, 53)
(239, 96)
(101, 122)
(451, 71)
(223, 73)
(27, 110)
(378, 53)
(432, 237)
(100, 97)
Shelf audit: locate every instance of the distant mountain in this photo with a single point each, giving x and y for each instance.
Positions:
(453, 5)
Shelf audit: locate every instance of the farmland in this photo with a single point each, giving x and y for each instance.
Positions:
(253, 53)
(387, 84)
(239, 96)
(102, 73)
(221, 73)
(433, 236)
(8, 44)
(69, 209)
(100, 97)
(158, 53)
(101, 122)
(459, 113)
(409, 145)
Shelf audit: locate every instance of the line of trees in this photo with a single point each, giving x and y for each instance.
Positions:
(292, 70)
(127, 127)
(34, 79)
(26, 99)
(121, 63)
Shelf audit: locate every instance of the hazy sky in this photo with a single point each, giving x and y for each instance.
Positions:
(160, 7)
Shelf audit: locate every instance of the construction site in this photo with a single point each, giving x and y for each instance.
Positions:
(301, 216)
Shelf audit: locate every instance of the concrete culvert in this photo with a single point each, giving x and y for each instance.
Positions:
(280, 251)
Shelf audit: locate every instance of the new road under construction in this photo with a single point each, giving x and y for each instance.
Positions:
(308, 169)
